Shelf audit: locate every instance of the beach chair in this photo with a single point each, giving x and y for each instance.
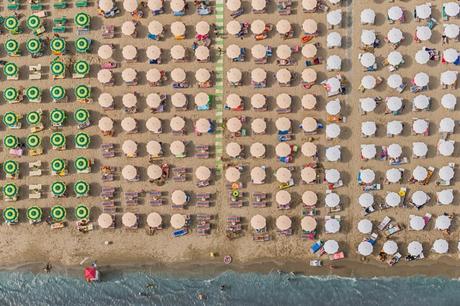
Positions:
(337, 256)
(316, 246)
(384, 223)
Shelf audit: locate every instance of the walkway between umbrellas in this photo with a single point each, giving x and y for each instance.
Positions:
(219, 95)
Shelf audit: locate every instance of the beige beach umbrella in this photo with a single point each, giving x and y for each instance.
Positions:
(203, 125)
(177, 5)
(178, 28)
(104, 220)
(105, 124)
(283, 52)
(283, 197)
(310, 26)
(368, 37)
(233, 51)
(395, 13)
(234, 124)
(153, 75)
(309, 50)
(283, 76)
(309, 198)
(368, 82)
(233, 149)
(233, 5)
(258, 125)
(258, 101)
(309, 149)
(155, 5)
(308, 175)
(179, 100)
(334, 40)
(201, 99)
(154, 172)
(257, 150)
(202, 75)
(366, 200)
(423, 33)
(449, 77)
(177, 52)
(283, 124)
(106, 5)
(451, 30)
(129, 147)
(178, 75)
(333, 131)
(233, 27)
(309, 124)
(155, 27)
(258, 27)
(283, 175)
(104, 76)
(395, 36)
(129, 219)
(234, 75)
(130, 5)
(129, 100)
(177, 221)
(128, 28)
(283, 223)
(332, 176)
(177, 123)
(309, 5)
(283, 26)
(233, 101)
(283, 100)
(258, 175)
(128, 75)
(178, 197)
(258, 75)
(154, 219)
(367, 16)
(177, 148)
(203, 173)
(129, 52)
(153, 52)
(202, 53)
(105, 52)
(258, 222)
(128, 124)
(202, 28)
(129, 172)
(309, 75)
(259, 51)
(258, 5)
(232, 174)
(283, 149)
(153, 100)
(308, 224)
(308, 101)
(153, 147)
(105, 100)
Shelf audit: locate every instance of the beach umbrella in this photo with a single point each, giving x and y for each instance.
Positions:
(177, 148)
(333, 107)
(395, 36)
(333, 153)
(257, 27)
(283, 197)
(308, 175)
(308, 224)
(257, 150)
(34, 213)
(422, 56)
(332, 176)
(202, 28)
(10, 214)
(82, 44)
(153, 147)
(105, 220)
(130, 100)
(106, 100)
(234, 75)
(417, 223)
(392, 199)
(450, 55)
(309, 50)
(154, 172)
(81, 163)
(390, 247)
(334, 62)
(423, 11)
(368, 82)
(129, 172)
(57, 45)
(451, 30)
(440, 246)
(178, 28)
(283, 223)
(452, 9)
(365, 248)
(309, 75)
(258, 222)
(421, 102)
(259, 51)
(365, 226)
(11, 46)
(394, 127)
(233, 51)
(419, 149)
(33, 93)
(202, 75)
(283, 149)
(128, 28)
(154, 219)
(81, 188)
(234, 124)
(443, 222)
(420, 173)
(11, 23)
(233, 101)
(367, 16)
(153, 124)
(105, 52)
(283, 27)
(129, 124)
(334, 18)
(310, 26)
(283, 52)
(258, 101)
(258, 175)
(419, 198)
(10, 167)
(449, 77)
(283, 175)
(258, 5)
(334, 40)
(366, 200)
(82, 19)
(446, 173)
(82, 140)
(446, 148)
(395, 13)
(10, 119)
(368, 151)
(57, 140)
(446, 125)
(57, 68)
(10, 69)
(310, 125)
(309, 101)
(367, 59)
(421, 79)
(10, 141)
(81, 115)
(309, 198)
(368, 37)
(332, 226)
(57, 116)
(232, 174)
(81, 67)
(395, 58)
(58, 165)
(177, 221)
(177, 52)
(414, 248)
(33, 22)
(10, 190)
(368, 128)
(233, 5)
(58, 212)
(155, 27)
(331, 247)
(153, 52)
(309, 149)
(57, 92)
(394, 150)
(129, 219)
(82, 91)
(33, 141)
(129, 147)
(332, 199)
(446, 196)
(258, 75)
(178, 197)
(105, 76)
(420, 126)
(394, 81)
(58, 189)
(393, 175)
(81, 212)
(130, 5)
(106, 5)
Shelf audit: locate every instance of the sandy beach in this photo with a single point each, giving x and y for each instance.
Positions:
(24, 243)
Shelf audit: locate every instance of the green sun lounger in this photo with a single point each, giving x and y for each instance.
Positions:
(82, 3)
(13, 7)
(60, 5)
(59, 29)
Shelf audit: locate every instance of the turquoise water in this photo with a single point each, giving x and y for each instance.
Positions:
(240, 289)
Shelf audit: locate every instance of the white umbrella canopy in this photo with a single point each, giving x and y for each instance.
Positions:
(233, 149)
(153, 100)
(178, 197)
(423, 11)
(153, 124)
(154, 219)
(104, 76)
(259, 51)
(310, 26)
(155, 27)
(128, 28)
(446, 173)
(393, 199)
(333, 84)
(308, 174)
(450, 55)
(105, 100)
(309, 149)
(422, 56)
(155, 5)
(390, 247)
(394, 104)
(258, 27)
(423, 33)
(128, 124)
(177, 221)
(417, 223)
(395, 36)
(368, 128)
(451, 30)
(448, 101)
(452, 9)
(395, 58)
(233, 51)
(420, 126)
(421, 102)
(394, 81)
(333, 107)
(368, 82)
(309, 50)
(332, 200)
(365, 248)
(449, 77)
(178, 75)
(178, 28)
(395, 13)
(283, 52)
(283, 175)
(334, 62)
(129, 52)
(129, 147)
(332, 131)
(368, 104)
(177, 5)
(445, 197)
(420, 173)
(446, 125)
(129, 172)
(309, 5)
(421, 79)
(153, 52)
(258, 75)
(367, 176)
(105, 52)
(257, 150)
(232, 174)
(129, 75)
(368, 151)
(283, 100)
(234, 124)
(332, 175)
(203, 125)
(129, 219)
(309, 124)
(309, 198)
(283, 197)
(283, 149)
(332, 226)
(308, 224)
(177, 148)
(334, 18)
(443, 222)
(202, 53)
(446, 148)
(233, 100)
(283, 26)
(283, 76)
(258, 222)
(394, 150)
(333, 154)
(258, 5)
(331, 247)
(130, 5)
(368, 37)
(259, 125)
(129, 100)
(419, 149)
(441, 246)
(177, 124)
(258, 174)
(283, 223)
(365, 226)
(414, 248)
(393, 175)
(106, 5)
(153, 147)
(233, 27)
(201, 99)
(202, 28)
(105, 124)
(177, 52)
(309, 75)
(367, 16)
(179, 100)
(202, 75)
(394, 127)
(105, 220)
(233, 5)
(366, 200)
(334, 40)
(420, 198)
(202, 173)
(367, 59)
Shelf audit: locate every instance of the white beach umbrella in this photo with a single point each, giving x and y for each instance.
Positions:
(415, 248)
(368, 82)
(367, 59)
(419, 126)
(332, 199)
(153, 100)
(423, 11)
(283, 26)
(333, 107)
(258, 5)
(106, 5)
(129, 219)
(153, 147)
(419, 198)
(178, 197)
(332, 130)
(443, 222)
(417, 223)
(233, 101)
(448, 101)
(258, 222)
(334, 40)
(154, 219)
(259, 51)
(394, 127)
(446, 148)
(394, 150)
(105, 100)
(105, 220)
(104, 76)
(155, 27)
(393, 175)
(394, 104)
(421, 102)
(368, 128)
(308, 174)
(153, 52)
(202, 28)
(333, 84)
(258, 175)
(202, 173)
(177, 5)
(153, 124)
(309, 149)
(202, 75)
(441, 246)
(395, 58)
(390, 247)
(332, 175)
(177, 221)
(365, 248)
(309, 50)
(309, 75)
(129, 52)
(177, 148)
(283, 100)
(365, 226)
(178, 28)
(178, 75)
(334, 18)
(395, 36)
(449, 77)
(422, 56)
(179, 100)
(233, 27)
(334, 62)
(203, 125)
(308, 224)
(395, 13)
(129, 100)
(233, 51)
(258, 27)
(258, 75)
(129, 147)
(420, 173)
(234, 124)
(446, 125)
(368, 104)
(128, 124)
(393, 199)
(367, 176)
(332, 226)
(129, 75)
(283, 149)
(309, 5)
(310, 26)
(129, 172)
(283, 223)
(130, 5)
(446, 196)
(257, 150)
(421, 79)
(177, 124)
(201, 99)
(233, 5)
(446, 173)
(283, 76)
(232, 174)
(105, 52)
(177, 52)
(128, 28)
(452, 9)
(105, 124)
(283, 175)
(155, 5)
(309, 124)
(366, 200)
(331, 247)
(423, 33)
(333, 153)
(451, 30)
(202, 53)
(450, 55)
(309, 198)
(283, 197)
(367, 16)
(419, 149)
(394, 81)
(258, 125)
(368, 37)
(368, 151)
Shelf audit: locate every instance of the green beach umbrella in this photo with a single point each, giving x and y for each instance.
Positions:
(57, 165)
(81, 188)
(57, 92)
(58, 188)
(57, 68)
(10, 190)
(33, 118)
(10, 214)
(10, 94)
(82, 91)
(33, 93)
(10, 119)
(34, 213)
(10, 167)
(33, 22)
(81, 212)
(81, 67)
(33, 141)
(10, 69)
(81, 115)
(11, 141)
(58, 212)
(11, 46)
(57, 139)
(82, 44)
(82, 140)
(34, 45)
(81, 163)
(82, 19)
(57, 45)
(11, 23)
(57, 116)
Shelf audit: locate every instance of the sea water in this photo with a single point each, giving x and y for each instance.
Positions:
(131, 288)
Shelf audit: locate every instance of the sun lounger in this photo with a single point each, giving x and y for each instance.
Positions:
(261, 237)
(202, 203)
(391, 230)
(233, 219)
(395, 259)
(384, 223)
(337, 256)
(236, 204)
(179, 233)
(260, 204)
(316, 247)
(58, 225)
(108, 204)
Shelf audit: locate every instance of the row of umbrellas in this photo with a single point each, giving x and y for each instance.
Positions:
(35, 214)
(57, 117)
(33, 22)
(57, 93)
(57, 139)
(414, 248)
